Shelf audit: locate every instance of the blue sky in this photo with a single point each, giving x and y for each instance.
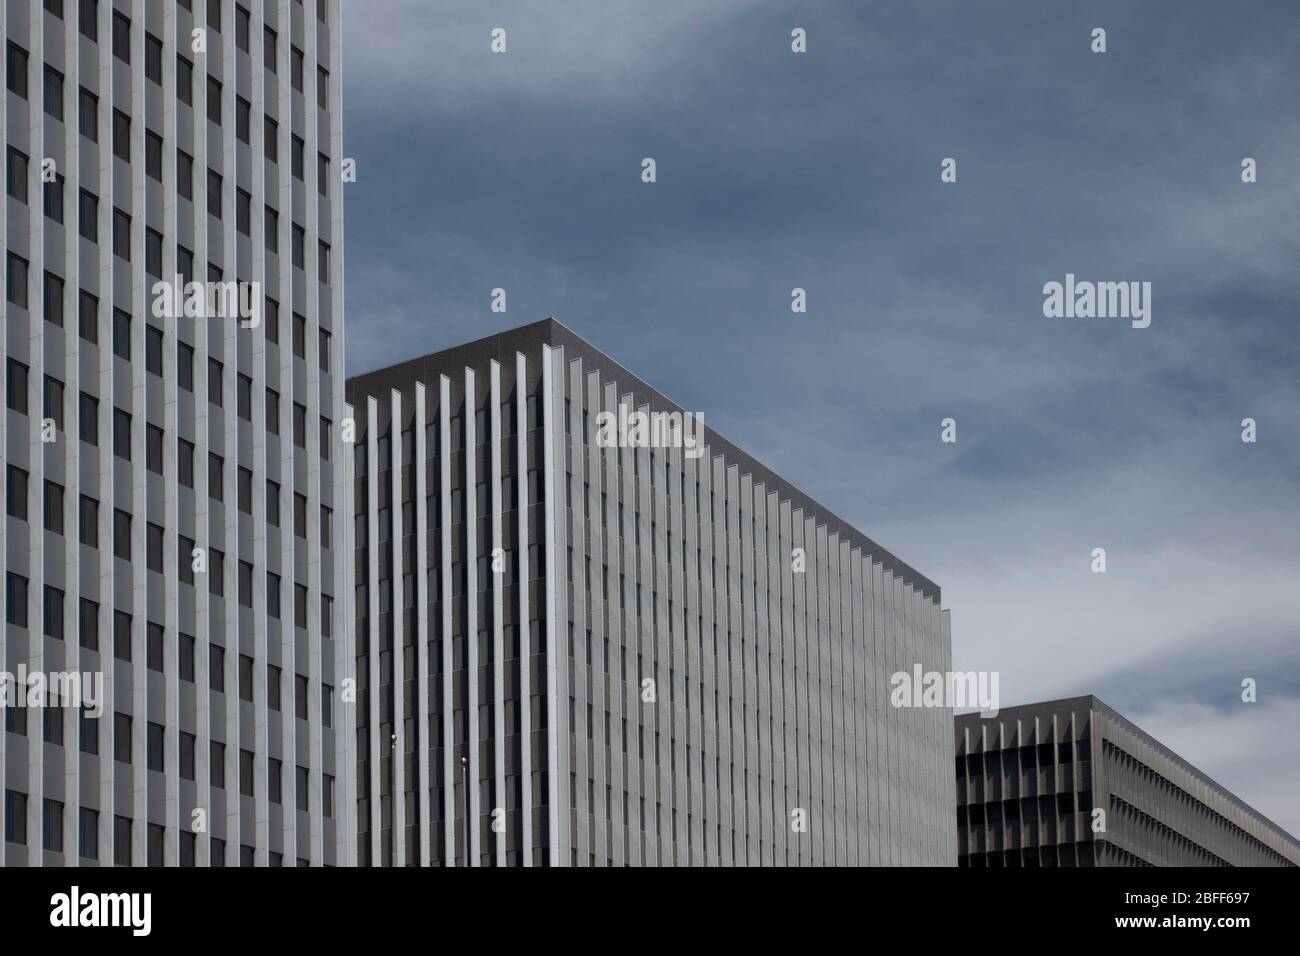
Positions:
(522, 170)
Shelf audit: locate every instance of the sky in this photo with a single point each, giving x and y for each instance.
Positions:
(775, 170)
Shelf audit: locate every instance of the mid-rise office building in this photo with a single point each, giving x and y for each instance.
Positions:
(625, 650)
(174, 485)
(1073, 783)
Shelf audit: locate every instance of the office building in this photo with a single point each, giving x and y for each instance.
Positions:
(633, 651)
(174, 480)
(1073, 783)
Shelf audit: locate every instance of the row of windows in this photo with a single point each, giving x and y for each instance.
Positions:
(16, 589)
(88, 325)
(1029, 809)
(16, 75)
(16, 395)
(16, 174)
(16, 495)
(1066, 752)
(15, 825)
(16, 584)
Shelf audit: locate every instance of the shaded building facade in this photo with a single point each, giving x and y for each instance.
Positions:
(614, 645)
(174, 498)
(1031, 780)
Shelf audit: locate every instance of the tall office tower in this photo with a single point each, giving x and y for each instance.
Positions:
(633, 655)
(174, 489)
(1033, 782)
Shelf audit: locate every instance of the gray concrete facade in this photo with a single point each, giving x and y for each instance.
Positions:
(201, 138)
(1030, 783)
(617, 639)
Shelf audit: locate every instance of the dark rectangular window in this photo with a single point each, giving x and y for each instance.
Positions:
(89, 419)
(216, 668)
(186, 665)
(217, 764)
(89, 624)
(53, 93)
(243, 114)
(185, 176)
(185, 366)
(121, 235)
(153, 350)
(296, 163)
(121, 841)
(153, 449)
(88, 317)
(187, 756)
(215, 465)
(268, 48)
(121, 534)
(16, 280)
(153, 252)
(214, 194)
(272, 231)
(52, 194)
(122, 434)
(322, 174)
(246, 773)
(244, 397)
(16, 492)
(121, 136)
(52, 822)
(53, 507)
(214, 382)
(154, 742)
(89, 522)
(88, 113)
(272, 321)
(88, 218)
(15, 817)
(270, 134)
(154, 547)
(241, 28)
(300, 425)
(185, 463)
(16, 70)
(16, 600)
(153, 49)
(53, 299)
(153, 145)
(322, 87)
(244, 492)
(121, 37)
(243, 205)
(88, 19)
(16, 384)
(122, 334)
(53, 400)
(16, 174)
(214, 101)
(184, 81)
(53, 613)
(121, 738)
(122, 636)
